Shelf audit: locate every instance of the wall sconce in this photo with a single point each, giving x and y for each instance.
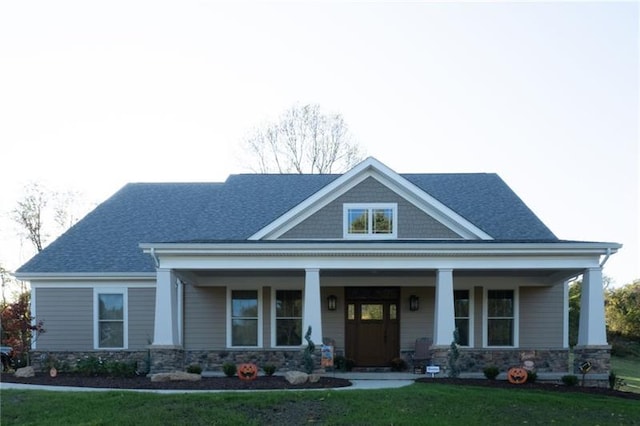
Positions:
(414, 302)
(332, 302)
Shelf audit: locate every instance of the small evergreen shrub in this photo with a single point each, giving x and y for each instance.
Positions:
(342, 363)
(491, 372)
(569, 379)
(453, 355)
(398, 364)
(120, 369)
(229, 369)
(92, 367)
(532, 376)
(615, 382)
(194, 369)
(269, 369)
(308, 353)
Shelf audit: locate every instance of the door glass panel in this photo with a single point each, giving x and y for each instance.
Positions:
(351, 311)
(393, 311)
(371, 312)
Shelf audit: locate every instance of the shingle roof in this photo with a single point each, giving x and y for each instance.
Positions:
(107, 239)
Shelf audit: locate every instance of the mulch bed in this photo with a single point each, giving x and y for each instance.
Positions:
(550, 387)
(143, 382)
(278, 382)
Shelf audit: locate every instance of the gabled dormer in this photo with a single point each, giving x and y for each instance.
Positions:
(369, 202)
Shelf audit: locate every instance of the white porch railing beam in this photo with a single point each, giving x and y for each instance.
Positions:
(166, 319)
(312, 315)
(444, 322)
(592, 330)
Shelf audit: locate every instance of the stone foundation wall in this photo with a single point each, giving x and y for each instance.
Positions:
(162, 360)
(475, 360)
(67, 361)
(599, 358)
(283, 360)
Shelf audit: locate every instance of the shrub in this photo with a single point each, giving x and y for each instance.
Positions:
(120, 369)
(491, 372)
(229, 369)
(398, 364)
(90, 366)
(615, 382)
(569, 379)
(453, 355)
(532, 376)
(194, 369)
(342, 363)
(269, 369)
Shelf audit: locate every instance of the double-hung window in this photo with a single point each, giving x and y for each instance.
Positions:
(110, 318)
(501, 317)
(245, 321)
(461, 305)
(375, 220)
(288, 317)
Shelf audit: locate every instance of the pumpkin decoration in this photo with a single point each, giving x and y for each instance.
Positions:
(517, 375)
(247, 371)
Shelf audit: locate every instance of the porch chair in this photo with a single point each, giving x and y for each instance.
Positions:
(422, 353)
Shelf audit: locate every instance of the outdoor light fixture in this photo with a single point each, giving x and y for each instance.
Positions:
(414, 302)
(332, 302)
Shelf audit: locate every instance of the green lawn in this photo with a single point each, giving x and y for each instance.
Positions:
(415, 404)
(629, 370)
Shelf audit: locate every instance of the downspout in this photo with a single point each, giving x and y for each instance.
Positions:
(606, 257)
(152, 252)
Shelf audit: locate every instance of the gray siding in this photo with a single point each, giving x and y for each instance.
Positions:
(68, 318)
(541, 316)
(333, 321)
(204, 317)
(327, 223)
(416, 324)
(142, 305)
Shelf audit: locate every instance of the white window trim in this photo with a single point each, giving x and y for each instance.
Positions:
(369, 235)
(516, 318)
(229, 312)
(273, 318)
(471, 315)
(96, 316)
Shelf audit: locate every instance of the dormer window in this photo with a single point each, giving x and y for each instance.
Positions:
(375, 220)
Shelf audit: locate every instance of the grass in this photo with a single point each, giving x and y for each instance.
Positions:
(629, 370)
(418, 403)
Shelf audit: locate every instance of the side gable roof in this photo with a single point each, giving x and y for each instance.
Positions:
(108, 238)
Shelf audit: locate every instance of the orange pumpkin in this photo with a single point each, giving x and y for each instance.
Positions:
(517, 375)
(247, 371)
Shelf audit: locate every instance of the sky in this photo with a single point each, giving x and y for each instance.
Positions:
(97, 94)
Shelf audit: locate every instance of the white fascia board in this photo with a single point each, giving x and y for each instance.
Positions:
(85, 276)
(400, 255)
(371, 168)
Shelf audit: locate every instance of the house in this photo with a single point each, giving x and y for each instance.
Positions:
(371, 260)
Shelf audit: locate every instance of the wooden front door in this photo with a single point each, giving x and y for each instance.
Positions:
(372, 325)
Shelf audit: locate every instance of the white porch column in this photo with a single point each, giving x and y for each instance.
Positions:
(312, 306)
(166, 320)
(592, 331)
(444, 323)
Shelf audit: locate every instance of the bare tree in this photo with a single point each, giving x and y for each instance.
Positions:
(303, 140)
(29, 214)
(41, 209)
